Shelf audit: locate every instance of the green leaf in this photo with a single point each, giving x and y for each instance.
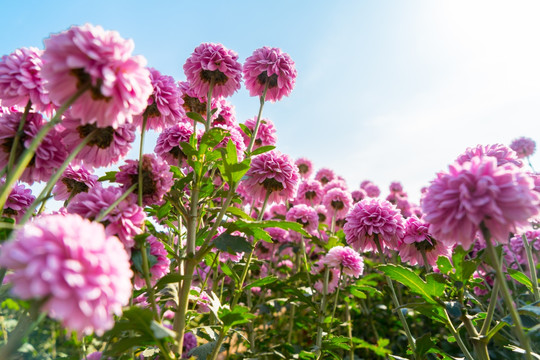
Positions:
(378, 349)
(196, 117)
(262, 149)
(164, 210)
(521, 278)
(137, 259)
(161, 332)
(428, 290)
(238, 315)
(423, 345)
(337, 342)
(232, 155)
(203, 351)
(169, 278)
(109, 176)
(232, 244)
(262, 282)
(245, 129)
(238, 213)
(7, 228)
(444, 265)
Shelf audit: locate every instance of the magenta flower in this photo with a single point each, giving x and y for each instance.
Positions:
(192, 102)
(164, 107)
(18, 201)
(266, 135)
(20, 80)
(276, 211)
(278, 235)
(157, 178)
(305, 215)
(235, 135)
(83, 274)
(310, 192)
(523, 146)
(325, 175)
(370, 218)
(76, 179)
(322, 213)
(305, 167)
(190, 342)
(49, 155)
(213, 63)
(160, 266)
(515, 251)
(346, 259)
(358, 195)
(125, 221)
(168, 143)
(337, 202)
(416, 240)
(271, 68)
(333, 277)
(371, 190)
(502, 153)
(88, 56)
(336, 183)
(225, 115)
(266, 250)
(107, 146)
(274, 174)
(396, 187)
(457, 202)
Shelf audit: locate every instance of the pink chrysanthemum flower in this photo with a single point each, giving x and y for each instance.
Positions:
(20, 80)
(325, 175)
(502, 153)
(235, 135)
(192, 102)
(310, 192)
(271, 68)
(523, 146)
(88, 56)
(83, 274)
(305, 167)
(457, 202)
(265, 250)
(213, 63)
(335, 184)
(190, 342)
(278, 235)
(358, 195)
(370, 218)
(157, 178)
(396, 187)
(333, 277)
(345, 258)
(322, 213)
(76, 179)
(164, 105)
(277, 211)
(107, 146)
(337, 202)
(372, 190)
(125, 221)
(272, 173)
(266, 135)
(416, 240)
(160, 262)
(225, 115)
(515, 251)
(49, 155)
(305, 215)
(168, 143)
(18, 201)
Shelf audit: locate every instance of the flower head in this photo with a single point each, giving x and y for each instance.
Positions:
(18, 201)
(270, 68)
(160, 263)
(396, 187)
(266, 135)
(418, 240)
(345, 258)
(225, 113)
(213, 63)
(337, 202)
(168, 143)
(309, 192)
(358, 195)
(305, 167)
(74, 180)
(523, 146)
(502, 153)
(325, 175)
(88, 56)
(83, 274)
(305, 215)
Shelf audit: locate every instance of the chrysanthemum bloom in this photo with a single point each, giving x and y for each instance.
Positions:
(523, 146)
(370, 218)
(372, 190)
(225, 115)
(164, 107)
(20, 79)
(76, 179)
(88, 56)
(336, 183)
(322, 213)
(502, 153)
(213, 63)
(457, 202)
(305, 215)
(345, 258)
(83, 274)
(272, 173)
(396, 187)
(107, 146)
(276, 211)
(337, 202)
(49, 155)
(190, 342)
(18, 201)
(160, 263)
(488, 280)
(266, 250)
(333, 277)
(325, 175)
(358, 195)
(310, 192)
(401, 200)
(278, 235)
(235, 135)
(418, 240)
(157, 178)
(515, 251)
(125, 221)
(168, 143)
(192, 102)
(271, 68)
(266, 135)
(305, 167)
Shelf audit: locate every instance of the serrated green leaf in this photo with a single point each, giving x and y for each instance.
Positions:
(423, 345)
(203, 351)
(428, 290)
(164, 210)
(161, 332)
(444, 265)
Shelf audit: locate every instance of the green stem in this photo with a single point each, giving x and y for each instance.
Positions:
(456, 336)
(506, 293)
(13, 151)
(25, 325)
(349, 330)
(258, 122)
(336, 298)
(532, 267)
(106, 212)
(491, 309)
(209, 105)
(28, 154)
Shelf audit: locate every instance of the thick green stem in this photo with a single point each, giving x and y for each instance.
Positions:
(532, 267)
(17, 138)
(518, 326)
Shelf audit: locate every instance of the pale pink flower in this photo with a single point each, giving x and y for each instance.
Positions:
(416, 240)
(74, 180)
(310, 192)
(213, 63)
(271, 68)
(523, 146)
(338, 202)
(266, 135)
(346, 259)
(305, 167)
(333, 277)
(225, 114)
(325, 175)
(305, 215)
(235, 135)
(82, 274)
(479, 191)
(502, 153)
(160, 265)
(119, 84)
(336, 183)
(372, 190)
(370, 218)
(358, 195)
(19, 199)
(168, 143)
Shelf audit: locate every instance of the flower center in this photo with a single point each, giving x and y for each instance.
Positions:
(322, 217)
(152, 110)
(84, 79)
(8, 143)
(426, 245)
(192, 104)
(272, 184)
(309, 195)
(75, 187)
(337, 204)
(303, 168)
(272, 80)
(217, 76)
(148, 183)
(10, 211)
(177, 153)
(102, 138)
(324, 180)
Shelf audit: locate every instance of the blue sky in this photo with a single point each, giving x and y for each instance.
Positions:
(386, 90)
